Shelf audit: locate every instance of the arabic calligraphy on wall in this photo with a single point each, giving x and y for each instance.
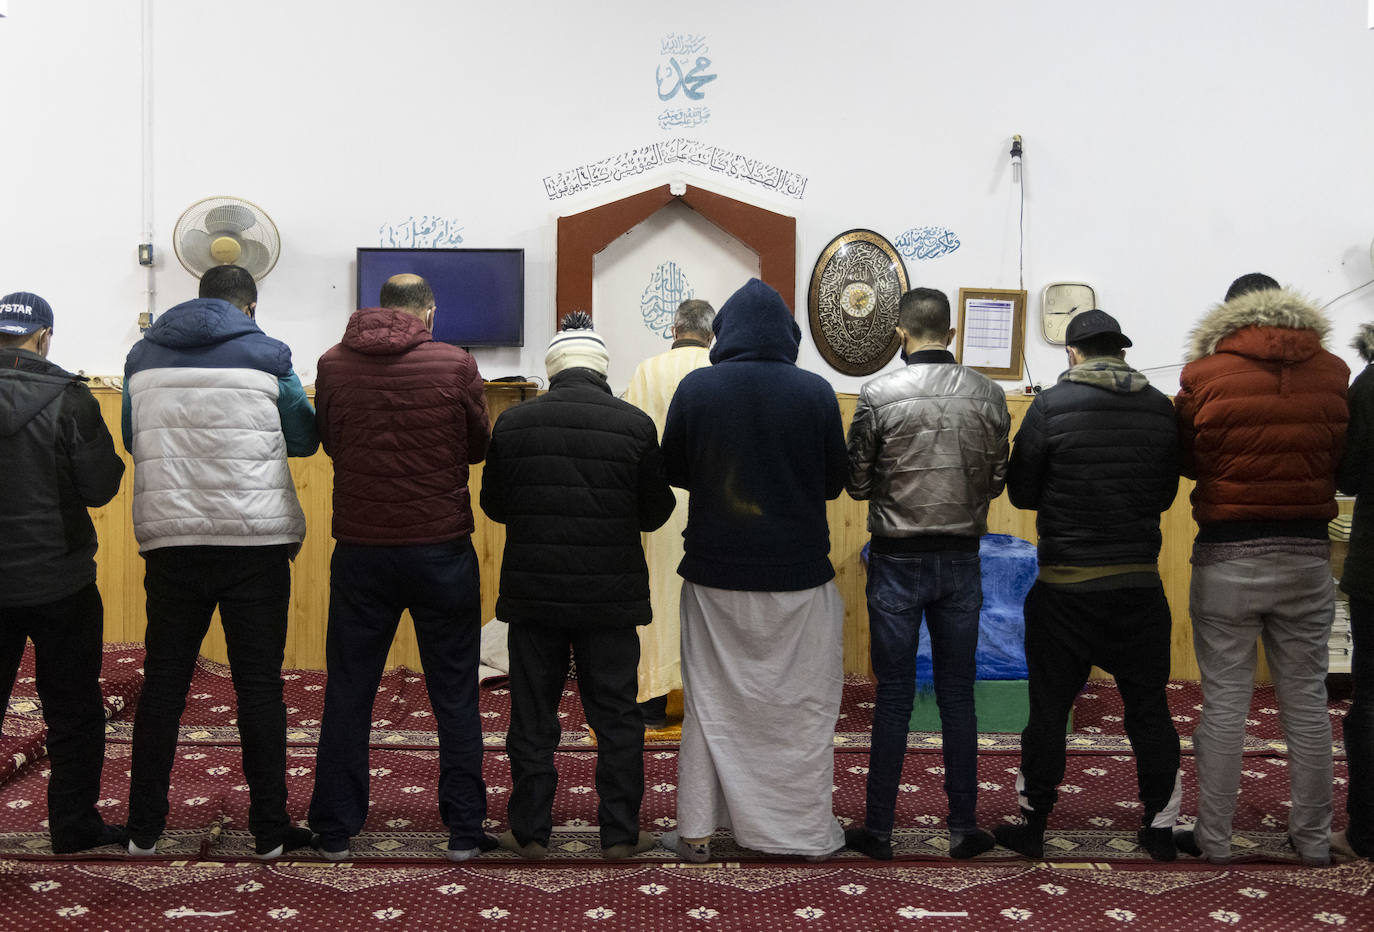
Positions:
(683, 117)
(421, 233)
(685, 69)
(675, 151)
(668, 287)
(855, 291)
(927, 242)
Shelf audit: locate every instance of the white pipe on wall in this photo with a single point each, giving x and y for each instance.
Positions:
(146, 115)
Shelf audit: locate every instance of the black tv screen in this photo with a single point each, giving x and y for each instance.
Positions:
(479, 294)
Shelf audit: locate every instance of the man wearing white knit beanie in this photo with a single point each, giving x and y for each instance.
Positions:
(581, 347)
(575, 475)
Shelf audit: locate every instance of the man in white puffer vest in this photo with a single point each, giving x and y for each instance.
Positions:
(211, 412)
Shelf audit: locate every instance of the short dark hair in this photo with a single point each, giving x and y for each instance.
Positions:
(694, 316)
(229, 283)
(1101, 344)
(924, 312)
(1255, 281)
(11, 340)
(410, 294)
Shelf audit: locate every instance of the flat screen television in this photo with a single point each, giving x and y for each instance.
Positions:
(479, 294)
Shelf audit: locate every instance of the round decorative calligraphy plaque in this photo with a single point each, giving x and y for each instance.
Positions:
(855, 289)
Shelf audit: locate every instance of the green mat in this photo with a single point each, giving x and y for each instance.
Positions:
(1001, 705)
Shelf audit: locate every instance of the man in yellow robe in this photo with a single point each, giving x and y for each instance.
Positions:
(651, 390)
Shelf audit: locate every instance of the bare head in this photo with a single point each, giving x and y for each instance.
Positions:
(693, 321)
(1254, 281)
(923, 320)
(233, 284)
(411, 294)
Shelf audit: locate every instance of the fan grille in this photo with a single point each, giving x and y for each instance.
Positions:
(226, 230)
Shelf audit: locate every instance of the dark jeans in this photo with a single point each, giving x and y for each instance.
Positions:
(67, 636)
(1125, 632)
(1358, 732)
(252, 587)
(369, 587)
(947, 588)
(607, 678)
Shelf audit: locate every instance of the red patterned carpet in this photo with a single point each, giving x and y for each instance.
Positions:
(399, 878)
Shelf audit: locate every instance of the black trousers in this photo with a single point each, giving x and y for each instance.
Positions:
(67, 636)
(607, 678)
(252, 587)
(1358, 732)
(1125, 632)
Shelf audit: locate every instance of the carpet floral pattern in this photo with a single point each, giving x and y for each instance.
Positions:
(1095, 877)
(1021, 896)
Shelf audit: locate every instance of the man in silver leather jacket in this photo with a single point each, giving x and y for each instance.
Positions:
(928, 450)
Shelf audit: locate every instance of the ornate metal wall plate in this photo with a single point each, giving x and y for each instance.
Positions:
(855, 288)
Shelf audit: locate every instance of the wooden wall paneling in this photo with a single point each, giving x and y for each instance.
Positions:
(120, 569)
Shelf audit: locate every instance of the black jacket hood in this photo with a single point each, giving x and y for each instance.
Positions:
(28, 384)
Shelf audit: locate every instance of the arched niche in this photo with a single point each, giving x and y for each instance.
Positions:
(581, 236)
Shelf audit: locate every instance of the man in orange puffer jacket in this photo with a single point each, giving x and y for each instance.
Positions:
(1262, 418)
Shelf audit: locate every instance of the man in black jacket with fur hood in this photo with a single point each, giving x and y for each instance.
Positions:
(575, 475)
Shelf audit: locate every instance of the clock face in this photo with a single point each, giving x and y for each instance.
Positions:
(1059, 303)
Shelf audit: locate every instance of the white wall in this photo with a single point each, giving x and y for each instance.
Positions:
(1170, 146)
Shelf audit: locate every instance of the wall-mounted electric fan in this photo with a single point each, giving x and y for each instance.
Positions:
(226, 231)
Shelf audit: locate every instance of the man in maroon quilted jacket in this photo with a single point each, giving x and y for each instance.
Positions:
(1262, 419)
(402, 417)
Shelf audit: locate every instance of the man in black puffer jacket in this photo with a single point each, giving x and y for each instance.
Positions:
(575, 475)
(1097, 457)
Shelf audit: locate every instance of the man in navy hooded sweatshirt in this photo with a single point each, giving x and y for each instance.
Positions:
(758, 444)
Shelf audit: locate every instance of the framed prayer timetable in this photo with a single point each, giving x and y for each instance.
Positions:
(991, 331)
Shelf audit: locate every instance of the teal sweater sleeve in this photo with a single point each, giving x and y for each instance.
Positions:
(297, 417)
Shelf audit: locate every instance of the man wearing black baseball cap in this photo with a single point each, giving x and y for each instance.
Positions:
(59, 461)
(1097, 458)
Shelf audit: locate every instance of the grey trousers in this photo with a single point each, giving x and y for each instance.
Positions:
(1286, 599)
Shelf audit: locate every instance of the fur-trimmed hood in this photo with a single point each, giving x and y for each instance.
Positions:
(1276, 307)
(1364, 342)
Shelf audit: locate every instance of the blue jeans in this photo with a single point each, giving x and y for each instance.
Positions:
(947, 588)
(369, 587)
(1359, 732)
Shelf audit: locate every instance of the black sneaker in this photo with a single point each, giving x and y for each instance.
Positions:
(1185, 842)
(965, 845)
(655, 712)
(333, 849)
(294, 839)
(108, 835)
(1026, 840)
(461, 851)
(1158, 843)
(868, 844)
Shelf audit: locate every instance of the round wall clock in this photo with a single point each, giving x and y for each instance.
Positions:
(855, 289)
